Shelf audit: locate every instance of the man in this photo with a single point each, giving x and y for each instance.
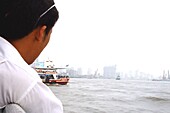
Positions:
(25, 29)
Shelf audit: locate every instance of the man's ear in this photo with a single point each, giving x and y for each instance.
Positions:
(40, 35)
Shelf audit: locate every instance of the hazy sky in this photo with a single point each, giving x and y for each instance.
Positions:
(134, 34)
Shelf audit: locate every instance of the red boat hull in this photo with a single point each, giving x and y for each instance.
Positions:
(61, 81)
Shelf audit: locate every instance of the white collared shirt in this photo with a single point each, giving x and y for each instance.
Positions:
(20, 84)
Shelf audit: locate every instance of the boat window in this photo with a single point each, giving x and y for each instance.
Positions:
(42, 76)
(50, 76)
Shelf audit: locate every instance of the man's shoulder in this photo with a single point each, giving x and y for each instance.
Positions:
(13, 73)
(15, 81)
(2, 60)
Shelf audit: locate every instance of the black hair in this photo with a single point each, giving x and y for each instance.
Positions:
(18, 18)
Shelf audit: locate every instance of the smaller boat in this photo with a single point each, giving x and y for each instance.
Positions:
(118, 77)
(51, 76)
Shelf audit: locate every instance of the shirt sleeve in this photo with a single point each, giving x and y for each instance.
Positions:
(40, 99)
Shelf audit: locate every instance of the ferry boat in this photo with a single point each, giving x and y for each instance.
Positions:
(51, 76)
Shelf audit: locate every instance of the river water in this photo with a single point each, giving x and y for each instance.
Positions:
(114, 96)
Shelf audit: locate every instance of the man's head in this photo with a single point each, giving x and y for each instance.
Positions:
(27, 24)
(18, 18)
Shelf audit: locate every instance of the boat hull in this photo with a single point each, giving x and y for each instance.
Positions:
(61, 81)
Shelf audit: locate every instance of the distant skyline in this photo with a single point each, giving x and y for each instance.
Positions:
(132, 34)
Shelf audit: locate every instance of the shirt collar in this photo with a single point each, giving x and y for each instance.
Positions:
(9, 52)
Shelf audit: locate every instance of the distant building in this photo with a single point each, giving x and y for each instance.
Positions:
(72, 72)
(43, 64)
(38, 64)
(109, 72)
(79, 71)
(89, 71)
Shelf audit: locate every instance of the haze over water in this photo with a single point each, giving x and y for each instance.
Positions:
(134, 34)
(111, 96)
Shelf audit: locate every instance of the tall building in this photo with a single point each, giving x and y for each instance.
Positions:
(43, 64)
(109, 71)
(79, 71)
(38, 64)
(72, 72)
(89, 71)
